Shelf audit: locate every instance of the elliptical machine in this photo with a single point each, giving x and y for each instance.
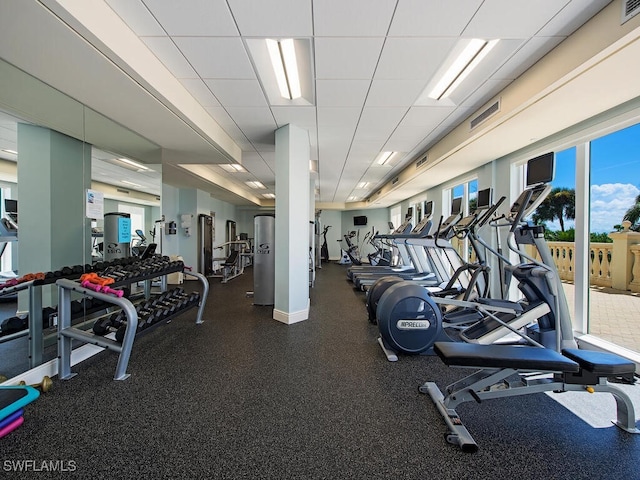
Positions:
(352, 254)
(324, 249)
(410, 319)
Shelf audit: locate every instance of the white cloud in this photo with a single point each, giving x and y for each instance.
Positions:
(609, 202)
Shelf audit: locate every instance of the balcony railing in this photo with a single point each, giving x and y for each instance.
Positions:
(614, 265)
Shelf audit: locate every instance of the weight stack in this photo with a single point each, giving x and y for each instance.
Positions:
(117, 235)
(264, 263)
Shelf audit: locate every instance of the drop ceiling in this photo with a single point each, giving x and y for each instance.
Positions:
(371, 61)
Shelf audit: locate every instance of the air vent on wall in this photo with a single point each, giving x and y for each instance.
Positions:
(422, 161)
(490, 111)
(394, 181)
(630, 8)
(122, 190)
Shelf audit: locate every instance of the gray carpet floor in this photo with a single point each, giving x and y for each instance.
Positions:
(243, 396)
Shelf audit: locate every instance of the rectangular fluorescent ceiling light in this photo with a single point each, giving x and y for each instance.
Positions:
(462, 66)
(384, 157)
(352, 199)
(285, 66)
(131, 183)
(269, 195)
(233, 167)
(363, 185)
(256, 185)
(12, 152)
(132, 163)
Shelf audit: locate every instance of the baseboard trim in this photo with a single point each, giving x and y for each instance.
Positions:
(293, 317)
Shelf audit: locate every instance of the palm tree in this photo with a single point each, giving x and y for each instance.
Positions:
(559, 204)
(633, 214)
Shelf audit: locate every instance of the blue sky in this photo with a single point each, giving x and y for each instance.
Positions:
(615, 176)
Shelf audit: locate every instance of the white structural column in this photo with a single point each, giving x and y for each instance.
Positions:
(54, 171)
(292, 225)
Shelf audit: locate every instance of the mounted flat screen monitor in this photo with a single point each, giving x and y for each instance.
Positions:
(428, 209)
(409, 213)
(540, 169)
(456, 206)
(484, 198)
(11, 206)
(360, 220)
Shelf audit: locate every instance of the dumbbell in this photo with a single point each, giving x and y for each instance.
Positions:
(45, 385)
(113, 291)
(104, 325)
(66, 271)
(91, 286)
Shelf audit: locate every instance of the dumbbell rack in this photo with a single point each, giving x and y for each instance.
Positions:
(67, 333)
(35, 319)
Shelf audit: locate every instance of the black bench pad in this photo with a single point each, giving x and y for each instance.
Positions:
(601, 363)
(504, 356)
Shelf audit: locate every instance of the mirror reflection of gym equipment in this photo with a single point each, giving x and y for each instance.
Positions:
(236, 250)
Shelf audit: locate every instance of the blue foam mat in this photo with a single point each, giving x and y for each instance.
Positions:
(13, 399)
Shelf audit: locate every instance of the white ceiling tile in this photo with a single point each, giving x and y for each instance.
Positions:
(511, 18)
(304, 117)
(337, 117)
(346, 58)
(394, 93)
(341, 93)
(137, 17)
(170, 56)
(256, 164)
(200, 92)
(237, 93)
(331, 141)
(404, 139)
(220, 115)
(260, 117)
(378, 122)
(273, 18)
(216, 57)
(429, 18)
(353, 18)
(367, 148)
(196, 18)
(526, 56)
(426, 117)
(413, 58)
(575, 14)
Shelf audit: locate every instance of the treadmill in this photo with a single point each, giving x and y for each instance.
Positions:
(405, 259)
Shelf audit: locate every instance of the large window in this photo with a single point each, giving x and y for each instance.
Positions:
(467, 192)
(614, 198)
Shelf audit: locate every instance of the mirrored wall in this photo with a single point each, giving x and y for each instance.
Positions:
(63, 167)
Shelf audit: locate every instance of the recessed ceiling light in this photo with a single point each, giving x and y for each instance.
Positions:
(132, 163)
(384, 157)
(255, 184)
(285, 66)
(363, 185)
(232, 167)
(268, 195)
(131, 183)
(468, 59)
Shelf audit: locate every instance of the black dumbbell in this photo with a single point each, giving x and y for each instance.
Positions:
(103, 326)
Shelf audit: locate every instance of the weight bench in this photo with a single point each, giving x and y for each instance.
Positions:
(508, 370)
